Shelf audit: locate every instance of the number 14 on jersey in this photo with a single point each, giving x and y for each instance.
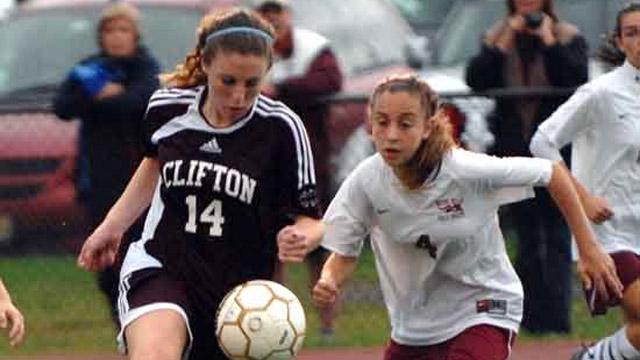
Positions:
(211, 216)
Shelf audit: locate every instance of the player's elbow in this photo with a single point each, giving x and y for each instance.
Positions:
(540, 146)
(535, 146)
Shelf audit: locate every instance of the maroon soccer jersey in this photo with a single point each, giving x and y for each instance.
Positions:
(223, 193)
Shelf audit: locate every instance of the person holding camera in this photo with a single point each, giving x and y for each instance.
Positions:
(532, 48)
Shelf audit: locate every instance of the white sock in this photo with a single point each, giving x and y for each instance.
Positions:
(614, 347)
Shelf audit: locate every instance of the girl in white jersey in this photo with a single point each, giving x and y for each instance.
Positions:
(601, 120)
(431, 212)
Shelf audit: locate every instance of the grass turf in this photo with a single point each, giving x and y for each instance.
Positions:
(65, 312)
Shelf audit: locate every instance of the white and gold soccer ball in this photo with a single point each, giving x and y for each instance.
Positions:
(260, 319)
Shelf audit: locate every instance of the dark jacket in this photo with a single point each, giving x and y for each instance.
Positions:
(564, 64)
(111, 128)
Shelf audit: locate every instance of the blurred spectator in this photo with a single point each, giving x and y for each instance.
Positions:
(531, 47)
(305, 70)
(109, 91)
(11, 318)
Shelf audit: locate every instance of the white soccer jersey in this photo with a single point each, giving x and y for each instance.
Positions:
(439, 251)
(602, 121)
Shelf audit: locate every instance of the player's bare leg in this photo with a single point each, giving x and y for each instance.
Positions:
(279, 273)
(158, 335)
(631, 307)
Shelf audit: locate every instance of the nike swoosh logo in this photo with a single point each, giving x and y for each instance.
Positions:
(382, 211)
(591, 354)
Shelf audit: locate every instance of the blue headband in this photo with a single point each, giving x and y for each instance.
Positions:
(239, 30)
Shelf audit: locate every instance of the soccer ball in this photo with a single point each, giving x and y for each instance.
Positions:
(260, 319)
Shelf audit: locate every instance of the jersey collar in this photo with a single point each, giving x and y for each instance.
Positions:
(631, 71)
(195, 109)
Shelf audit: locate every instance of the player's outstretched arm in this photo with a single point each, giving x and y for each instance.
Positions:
(297, 240)
(596, 208)
(335, 272)
(100, 249)
(11, 318)
(597, 268)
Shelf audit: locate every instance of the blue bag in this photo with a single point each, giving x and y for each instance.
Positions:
(91, 76)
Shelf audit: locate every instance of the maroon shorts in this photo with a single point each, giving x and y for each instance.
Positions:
(480, 342)
(153, 287)
(628, 269)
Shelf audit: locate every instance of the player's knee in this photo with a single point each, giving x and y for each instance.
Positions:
(158, 335)
(633, 333)
(156, 352)
(631, 303)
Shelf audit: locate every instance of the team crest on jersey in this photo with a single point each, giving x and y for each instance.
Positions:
(450, 209)
(308, 198)
(211, 146)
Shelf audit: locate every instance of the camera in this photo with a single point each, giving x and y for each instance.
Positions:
(533, 20)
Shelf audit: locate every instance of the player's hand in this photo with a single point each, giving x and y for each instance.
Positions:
(325, 293)
(597, 270)
(292, 244)
(545, 30)
(598, 209)
(12, 319)
(100, 249)
(517, 23)
(110, 90)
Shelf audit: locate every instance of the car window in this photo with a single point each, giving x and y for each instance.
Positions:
(594, 18)
(459, 37)
(170, 46)
(365, 33)
(423, 15)
(39, 47)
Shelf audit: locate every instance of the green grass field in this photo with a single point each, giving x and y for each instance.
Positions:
(65, 313)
